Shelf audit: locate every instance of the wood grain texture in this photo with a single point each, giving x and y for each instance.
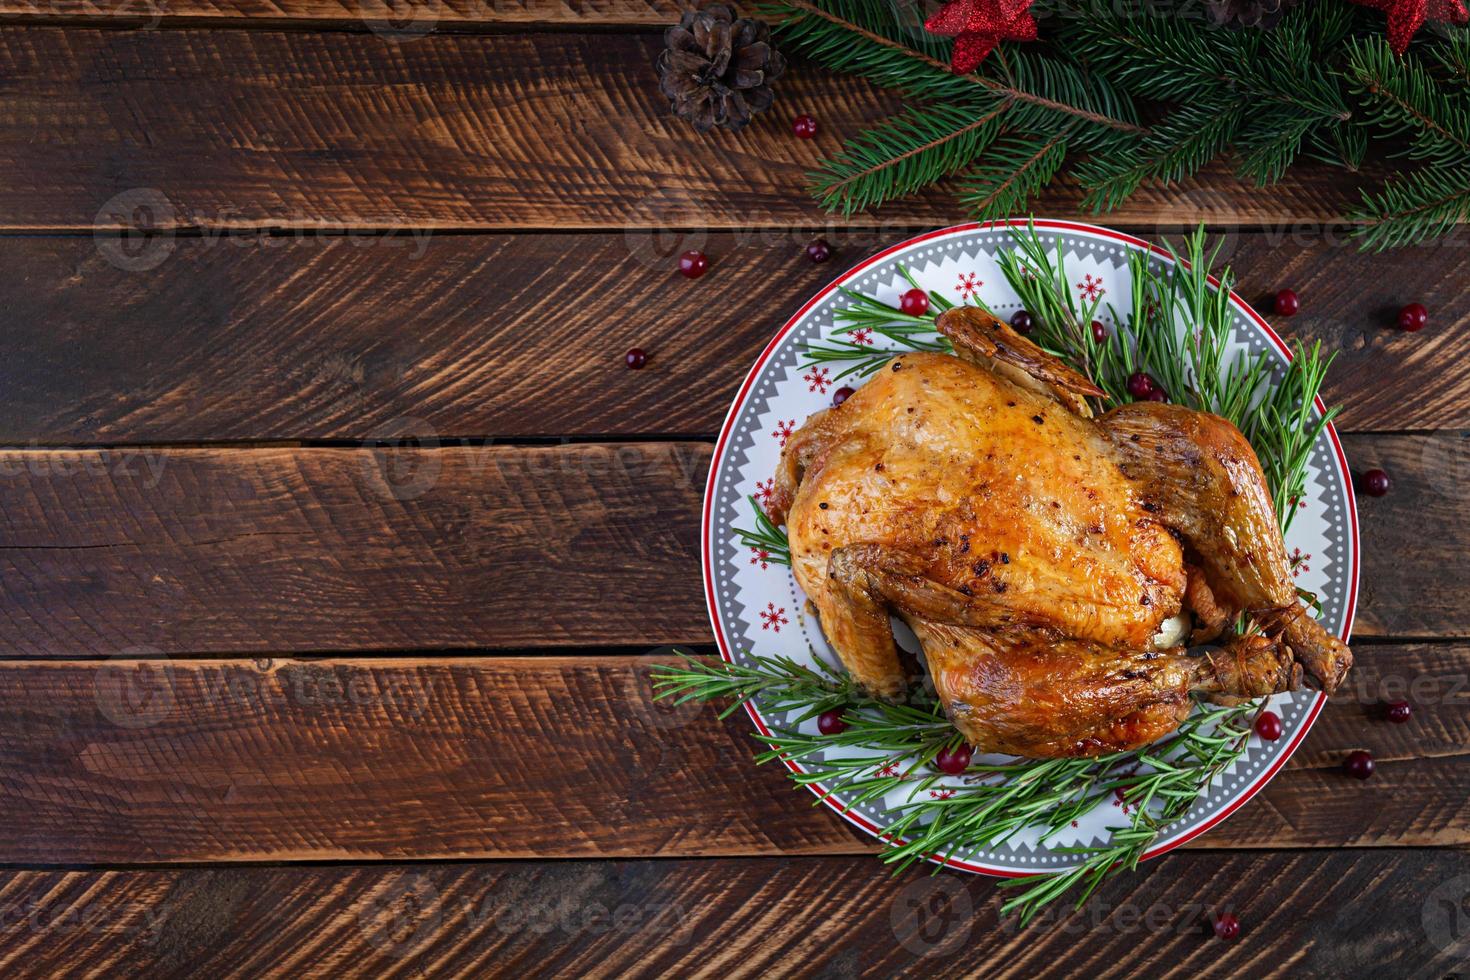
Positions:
(1314, 914)
(239, 129)
(1416, 574)
(266, 550)
(149, 761)
(411, 18)
(499, 335)
(245, 551)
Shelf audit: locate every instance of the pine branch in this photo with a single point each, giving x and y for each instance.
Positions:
(843, 45)
(1165, 53)
(1404, 99)
(1453, 58)
(897, 20)
(1174, 149)
(1012, 171)
(910, 151)
(1265, 156)
(1055, 94)
(1413, 207)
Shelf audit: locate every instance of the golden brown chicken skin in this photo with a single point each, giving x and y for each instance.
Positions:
(1038, 553)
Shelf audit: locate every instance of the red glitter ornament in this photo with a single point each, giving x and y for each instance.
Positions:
(1405, 17)
(979, 25)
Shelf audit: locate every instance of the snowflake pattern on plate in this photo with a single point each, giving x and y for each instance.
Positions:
(751, 602)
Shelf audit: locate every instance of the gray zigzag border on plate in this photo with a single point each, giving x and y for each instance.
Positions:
(1013, 853)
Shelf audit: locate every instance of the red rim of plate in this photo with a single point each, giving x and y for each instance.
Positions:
(705, 545)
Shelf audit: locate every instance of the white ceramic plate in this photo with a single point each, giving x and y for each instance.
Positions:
(756, 607)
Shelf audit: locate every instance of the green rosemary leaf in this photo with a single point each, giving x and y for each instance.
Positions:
(1177, 329)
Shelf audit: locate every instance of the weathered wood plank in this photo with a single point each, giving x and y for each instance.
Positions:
(266, 550)
(1416, 571)
(163, 761)
(1306, 914)
(244, 551)
(229, 128)
(333, 338)
(408, 18)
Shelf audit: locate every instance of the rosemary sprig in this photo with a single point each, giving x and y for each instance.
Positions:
(768, 540)
(1177, 330)
(866, 317)
(899, 743)
(1179, 768)
(783, 683)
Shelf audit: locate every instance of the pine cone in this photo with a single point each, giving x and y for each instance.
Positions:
(717, 69)
(1248, 13)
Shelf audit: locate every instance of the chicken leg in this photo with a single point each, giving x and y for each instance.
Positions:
(1201, 476)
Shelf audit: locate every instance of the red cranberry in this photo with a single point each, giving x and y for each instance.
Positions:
(1286, 303)
(841, 395)
(819, 251)
(804, 126)
(1399, 711)
(1358, 764)
(1376, 483)
(635, 358)
(1141, 384)
(1158, 395)
(1413, 317)
(693, 263)
(831, 723)
(1227, 926)
(915, 302)
(1099, 332)
(1021, 322)
(954, 761)
(1268, 726)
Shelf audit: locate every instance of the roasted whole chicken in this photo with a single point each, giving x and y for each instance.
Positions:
(1063, 573)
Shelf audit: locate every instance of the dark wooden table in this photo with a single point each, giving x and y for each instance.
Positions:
(335, 540)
